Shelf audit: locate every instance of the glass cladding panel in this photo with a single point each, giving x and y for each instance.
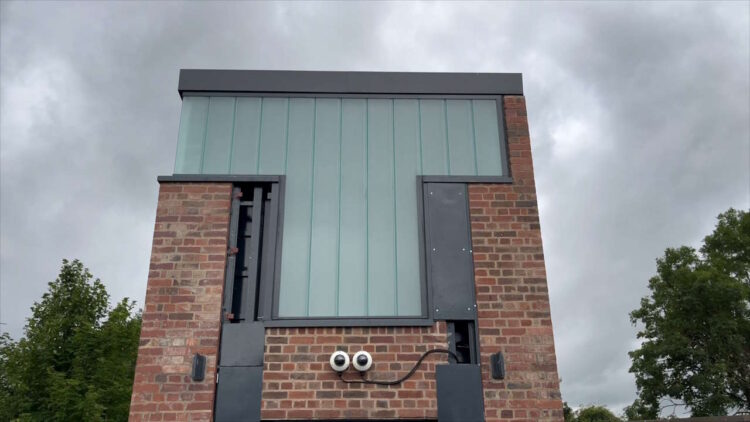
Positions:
(461, 138)
(324, 223)
(295, 249)
(487, 138)
(192, 133)
(434, 142)
(353, 232)
(407, 167)
(246, 136)
(380, 209)
(218, 144)
(350, 229)
(272, 150)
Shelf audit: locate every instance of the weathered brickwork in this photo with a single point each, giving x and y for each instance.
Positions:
(298, 382)
(511, 287)
(183, 303)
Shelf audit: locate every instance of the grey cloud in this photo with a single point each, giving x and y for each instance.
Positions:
(639, 116)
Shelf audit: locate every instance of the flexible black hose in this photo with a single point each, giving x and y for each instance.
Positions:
(402, 379)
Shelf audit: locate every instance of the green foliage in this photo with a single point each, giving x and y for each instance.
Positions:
(567, 412)
(696, 326)
(638, 412)
(589, 414)
(77, 359)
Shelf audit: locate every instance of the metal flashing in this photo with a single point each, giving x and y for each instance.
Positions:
(217, 178)
(467, 179)
(351, 322)
(326, 82)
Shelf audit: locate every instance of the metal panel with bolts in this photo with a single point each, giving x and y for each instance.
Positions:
(459, 393)
(449, 256)
(238, 394)
(242, 344)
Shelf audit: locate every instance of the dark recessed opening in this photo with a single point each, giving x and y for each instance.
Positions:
(462, 341)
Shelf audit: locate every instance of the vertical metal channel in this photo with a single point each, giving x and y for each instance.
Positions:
(252, 254)
(232, 258)
(503, 134)
(268, 253)
(253, 231)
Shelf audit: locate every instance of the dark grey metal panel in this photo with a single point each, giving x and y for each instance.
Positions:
(459, 393)
(242, 344)
(238, 394)
(197, 80)
(449, 258)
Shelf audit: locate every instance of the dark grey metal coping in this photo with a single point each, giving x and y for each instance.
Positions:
(319, 82)
(212, 178)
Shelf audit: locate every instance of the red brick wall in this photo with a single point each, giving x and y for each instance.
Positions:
(511, 287)
(298, 382)
(182, 315)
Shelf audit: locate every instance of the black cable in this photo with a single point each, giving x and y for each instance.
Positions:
(402, 379)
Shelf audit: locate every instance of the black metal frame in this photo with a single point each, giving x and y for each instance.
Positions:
(425, 320)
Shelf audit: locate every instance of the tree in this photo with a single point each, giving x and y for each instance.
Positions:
(589, 414)
(696, 326)
(638, 412)
(595, 414)
(77, 358)
(567, 413)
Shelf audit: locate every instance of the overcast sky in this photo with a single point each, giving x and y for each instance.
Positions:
(639, 117)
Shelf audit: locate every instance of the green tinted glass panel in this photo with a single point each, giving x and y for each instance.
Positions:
(352, 300)
(434, 139)
(461, 137)
(192, 135)
(380, 209)
(350, 230)
(295, 252)
(324, 244)
(407, 167)
(273, 127)
(487, 133)
(246, 136)
(220, 125)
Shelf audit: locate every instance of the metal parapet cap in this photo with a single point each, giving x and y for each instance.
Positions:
(320, 82)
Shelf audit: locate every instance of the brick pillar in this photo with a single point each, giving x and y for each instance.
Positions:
(182, 314)
(511, 283)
